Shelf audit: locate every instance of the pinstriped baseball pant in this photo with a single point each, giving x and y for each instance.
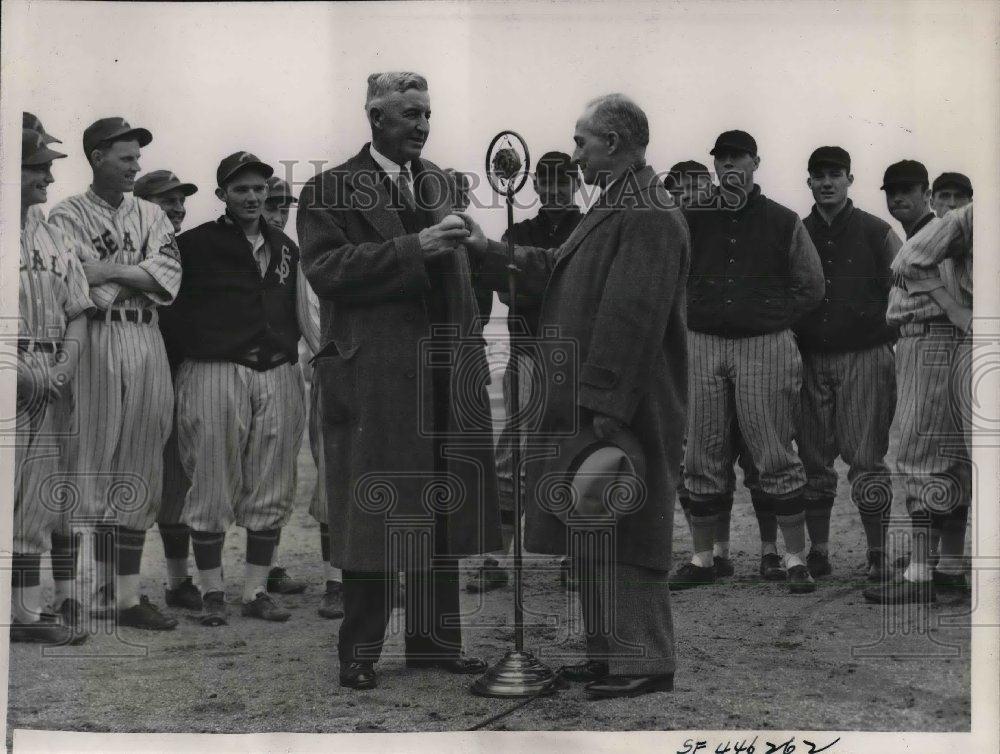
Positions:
(755, 382)
(124, 404)
(239, 432)
(36, 469)
(934, 371)
(848, 400)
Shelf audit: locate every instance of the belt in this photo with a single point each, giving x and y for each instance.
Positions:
(29, 344)
(258, 357)
(136, 316)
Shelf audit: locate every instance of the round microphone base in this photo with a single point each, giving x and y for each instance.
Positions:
(517, 675)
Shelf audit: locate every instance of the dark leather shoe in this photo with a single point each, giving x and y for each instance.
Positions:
(585, 672)
(723, 567)
(900, 592)
(487, 577)
(618, 686)
(879, 568)
(689, 576)
(358, 676)
(185, 596)
(279, 582)
(800, 580)
(950, 583)
(818, 564)
(455, 665)
(330, 604)
(770, 567)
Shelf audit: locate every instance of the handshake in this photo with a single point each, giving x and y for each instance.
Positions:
(443, 238)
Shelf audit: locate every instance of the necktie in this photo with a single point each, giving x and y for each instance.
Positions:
(405, 192)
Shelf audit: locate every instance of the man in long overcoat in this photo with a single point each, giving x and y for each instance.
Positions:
(615, 291)
(410, 477)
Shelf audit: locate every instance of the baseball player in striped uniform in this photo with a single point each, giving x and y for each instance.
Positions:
(950, 191)
(53, 302)
(240, 394)
(169, 193)
(848, 367)
(690, 184)
(65, 544)
(124, 397)
(276, 207)
(754, 272)
(931, 303)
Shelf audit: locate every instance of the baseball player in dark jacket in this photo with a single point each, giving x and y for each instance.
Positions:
(848, 367)
(240, 394)
(754, 273)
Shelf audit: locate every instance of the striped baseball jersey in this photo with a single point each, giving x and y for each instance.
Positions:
(938, 256)
(53, 285)
(135, 232)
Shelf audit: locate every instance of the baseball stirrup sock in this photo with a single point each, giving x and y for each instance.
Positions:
(261, 545)
(26, 589)
(725, 513)
(207, 548)
(818, 514)
(953, 526)
(875, 526)
(792, 521)
(766, 520)
(64, 555)
(919, 568)
(703, 522)
(176, 540)
(128, 550)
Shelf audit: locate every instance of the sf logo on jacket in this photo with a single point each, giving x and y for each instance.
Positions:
(285, 266)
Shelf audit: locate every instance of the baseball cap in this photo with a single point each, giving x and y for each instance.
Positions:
(904, 173)
(958, 180)
(34, 150)
(279, 189)
(237, 162)
(31, 121)
(117, 129)
(555, 165)
(830, 157)
(160, 182)
(738, 140)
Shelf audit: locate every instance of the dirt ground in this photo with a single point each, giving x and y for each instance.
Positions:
(750, 656)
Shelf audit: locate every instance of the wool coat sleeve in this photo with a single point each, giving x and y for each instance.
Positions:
(638, 296)
(535, 265)
(366, 271)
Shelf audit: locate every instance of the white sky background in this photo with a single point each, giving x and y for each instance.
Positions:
(287, 82)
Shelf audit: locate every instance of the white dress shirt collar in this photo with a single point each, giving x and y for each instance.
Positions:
(392, 169)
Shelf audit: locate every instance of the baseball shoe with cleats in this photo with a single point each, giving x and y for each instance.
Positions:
(329, 605)
(723, 567)
(800, 580)
(900, 592)
(487, 577)
(185, 596)
(953, 583)
(279, 582)
(770, 567)
(818, 563)
(214, 611)
(146, 616)
(690, 575)
(878, 566)
(265, 607)
(47, 630)
(70, 612)
(358, 676)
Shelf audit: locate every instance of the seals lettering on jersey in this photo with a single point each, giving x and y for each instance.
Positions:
(285, 267)
(37, 263)
(105, 244)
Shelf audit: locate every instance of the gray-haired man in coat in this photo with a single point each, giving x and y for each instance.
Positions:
(616, 288)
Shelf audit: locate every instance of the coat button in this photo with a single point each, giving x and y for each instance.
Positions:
(732, 261)
(730, 280)
(732, 240)
(411, 374)
(729, 301)
(828, 281)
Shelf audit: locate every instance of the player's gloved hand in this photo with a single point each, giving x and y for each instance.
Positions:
(476, 240)
(441, 239)
(606, 426)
